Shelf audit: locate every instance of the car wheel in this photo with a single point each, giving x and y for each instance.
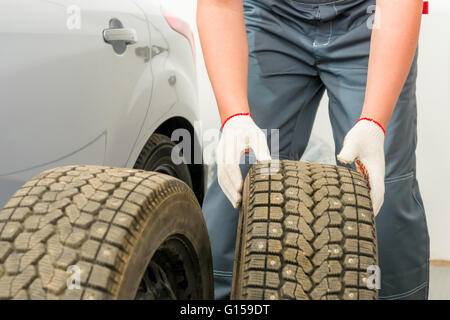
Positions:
(157, 156)
(91, 232)
(305, 232)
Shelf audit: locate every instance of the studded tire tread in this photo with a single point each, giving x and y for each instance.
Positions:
(306, 232)
(95, 218)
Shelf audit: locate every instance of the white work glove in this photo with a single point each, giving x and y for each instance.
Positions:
(364, 145)
(240, 134)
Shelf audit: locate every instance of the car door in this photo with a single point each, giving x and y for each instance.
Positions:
(75, 78)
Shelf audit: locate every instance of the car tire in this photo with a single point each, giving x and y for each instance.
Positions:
(305, 232)
(92, 232)
(157, 156)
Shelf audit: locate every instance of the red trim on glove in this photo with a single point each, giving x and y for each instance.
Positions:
(362, 169)
(235, 115)
(374, 121)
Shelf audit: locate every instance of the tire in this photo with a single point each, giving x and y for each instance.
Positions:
(127, 233)
(157, 156)
(306, 232)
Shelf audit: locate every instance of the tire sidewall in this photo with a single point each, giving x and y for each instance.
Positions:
(161, 155)
(179, 214)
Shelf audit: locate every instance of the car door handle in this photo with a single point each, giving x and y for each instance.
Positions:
(126, 35)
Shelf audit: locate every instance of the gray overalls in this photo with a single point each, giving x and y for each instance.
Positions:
(297, 49)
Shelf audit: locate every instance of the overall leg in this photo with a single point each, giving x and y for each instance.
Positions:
(283, 87)
(403, 242)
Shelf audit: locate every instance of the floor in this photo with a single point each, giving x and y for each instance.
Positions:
(439, 283)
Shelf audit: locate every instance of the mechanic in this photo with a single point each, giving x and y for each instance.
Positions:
(269, 62)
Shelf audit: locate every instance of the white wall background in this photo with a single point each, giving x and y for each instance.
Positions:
(433, 152)
(434, 125)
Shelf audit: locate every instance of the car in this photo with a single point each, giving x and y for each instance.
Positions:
(71, 96)
(92, 92)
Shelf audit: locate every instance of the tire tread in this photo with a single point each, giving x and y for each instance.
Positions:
(307, 232)
(91, 216)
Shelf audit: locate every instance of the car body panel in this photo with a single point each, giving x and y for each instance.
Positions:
(173, 65)
(92, 153)
(67, 86)
(69, 98)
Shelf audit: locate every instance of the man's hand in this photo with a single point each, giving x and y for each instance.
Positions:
(364, 145)
(239, 135)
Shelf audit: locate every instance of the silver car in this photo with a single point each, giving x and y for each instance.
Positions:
(91, 92)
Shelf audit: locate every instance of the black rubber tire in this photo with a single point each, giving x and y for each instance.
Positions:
(306, 232)
(157, 156)
(110, 223)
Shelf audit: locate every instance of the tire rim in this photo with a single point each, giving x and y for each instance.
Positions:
(171, 274)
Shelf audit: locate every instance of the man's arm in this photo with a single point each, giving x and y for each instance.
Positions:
(225, 50)
(392, 50)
